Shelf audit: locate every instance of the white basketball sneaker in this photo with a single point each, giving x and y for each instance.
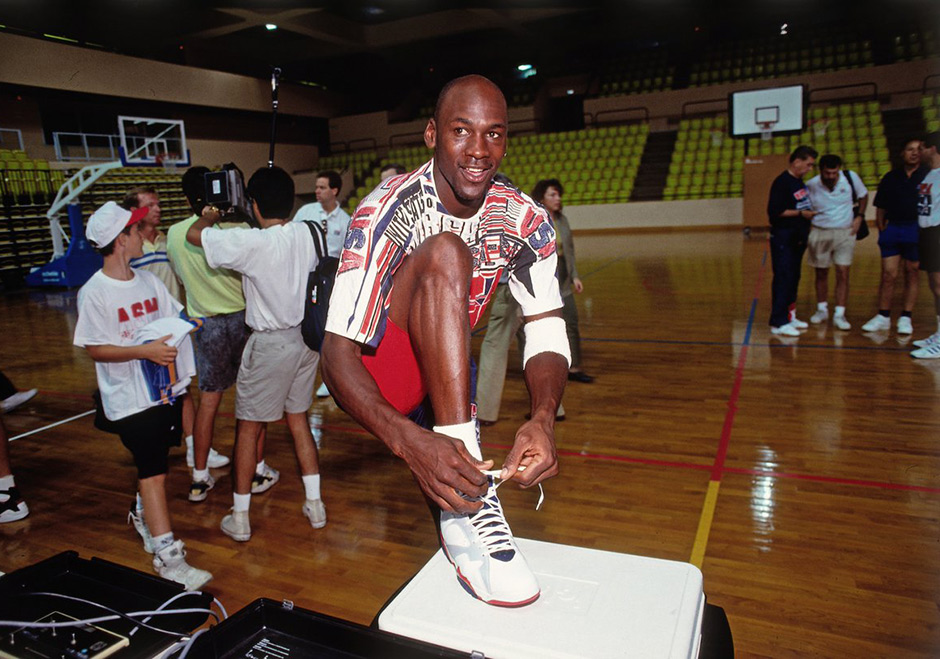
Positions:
(482, 550)
(170, 563)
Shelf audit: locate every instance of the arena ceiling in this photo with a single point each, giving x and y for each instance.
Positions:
(377, 52)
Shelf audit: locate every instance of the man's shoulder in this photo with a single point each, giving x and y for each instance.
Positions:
(309, 211)
(503, 195)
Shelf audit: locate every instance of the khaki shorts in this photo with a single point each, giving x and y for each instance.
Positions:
(828, 246)
(276, 376)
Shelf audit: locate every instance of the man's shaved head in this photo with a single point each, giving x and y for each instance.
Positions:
(459, 82)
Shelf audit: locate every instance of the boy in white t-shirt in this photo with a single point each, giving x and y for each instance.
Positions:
(277, 369)
(114, 305)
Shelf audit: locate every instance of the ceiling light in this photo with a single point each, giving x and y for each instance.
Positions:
(270, 26)
(570, 92)
(524, 67)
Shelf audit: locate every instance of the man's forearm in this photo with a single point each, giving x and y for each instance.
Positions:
(194, 233)
(545, 376)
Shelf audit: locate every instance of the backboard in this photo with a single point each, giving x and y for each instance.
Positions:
(149, 142)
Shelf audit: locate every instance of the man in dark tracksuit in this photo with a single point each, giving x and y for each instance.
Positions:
(790, 212)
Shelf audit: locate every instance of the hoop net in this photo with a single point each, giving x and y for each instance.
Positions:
(766, 130)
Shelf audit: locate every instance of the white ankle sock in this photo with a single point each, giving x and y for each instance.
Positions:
(6, 482)
(189, 442)
(259, 468)
(823, 306)
(840, 311)
(140, 504)
(200, 475)
(311, 486)
(160, 542)
(465, 432)
(241, 502)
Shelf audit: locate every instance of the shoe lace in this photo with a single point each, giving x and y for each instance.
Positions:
(490, 522)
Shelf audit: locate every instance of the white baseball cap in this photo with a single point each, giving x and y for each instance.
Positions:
(106, 223)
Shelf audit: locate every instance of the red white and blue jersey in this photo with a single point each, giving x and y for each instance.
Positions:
(508, 232)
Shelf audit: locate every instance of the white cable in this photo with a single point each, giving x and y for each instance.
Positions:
(189, 644)
(163, 606)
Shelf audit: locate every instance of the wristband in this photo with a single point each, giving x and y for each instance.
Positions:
(546, 335)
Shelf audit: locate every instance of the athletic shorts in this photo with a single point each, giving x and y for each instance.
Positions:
(394, 367)
(276, 376)
(929, 248)
(219, 347)
(900, 239)
(828, 246)
(149, 435)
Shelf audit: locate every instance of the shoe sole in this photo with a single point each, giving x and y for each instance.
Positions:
(317, 525)
(200, 497)
(237, 537)
(14, 516)
(465, 583)
(264, 488)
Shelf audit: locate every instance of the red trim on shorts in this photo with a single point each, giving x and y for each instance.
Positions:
(394, 368)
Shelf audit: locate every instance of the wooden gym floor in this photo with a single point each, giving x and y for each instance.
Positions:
(802, 475)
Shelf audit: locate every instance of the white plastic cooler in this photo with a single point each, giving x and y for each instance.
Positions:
(595, 604)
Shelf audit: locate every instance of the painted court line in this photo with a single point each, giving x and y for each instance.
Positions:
(700, 543)
(51, 425)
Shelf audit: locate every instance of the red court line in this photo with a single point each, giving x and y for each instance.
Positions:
(836, 480)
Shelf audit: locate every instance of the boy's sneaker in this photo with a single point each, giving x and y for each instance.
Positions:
(236, 526)
(799, 324)
(905, 326)
(216, 460)
(841, 323)
(929, 341)
(488, 563)
(820, 316)
(785, 330)
(12, 506)
(880, 324)
(170, 563)
(315, 511)
(927, 352)
(265, 480)
(137, 518)
(199, 490)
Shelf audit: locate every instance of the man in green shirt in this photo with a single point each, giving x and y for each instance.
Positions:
(215, 295)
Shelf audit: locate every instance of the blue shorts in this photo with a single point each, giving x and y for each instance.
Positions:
(900, 239)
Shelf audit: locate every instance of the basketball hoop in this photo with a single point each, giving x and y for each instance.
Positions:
(167, 161)
(766, 130)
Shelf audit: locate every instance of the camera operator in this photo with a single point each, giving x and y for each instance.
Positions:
(277, 369)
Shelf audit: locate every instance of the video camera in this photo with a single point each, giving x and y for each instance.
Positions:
(225, 189)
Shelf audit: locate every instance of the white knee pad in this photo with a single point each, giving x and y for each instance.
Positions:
(546, 335)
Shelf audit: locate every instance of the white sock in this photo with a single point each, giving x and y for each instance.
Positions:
(189, 443)
(465, 432)
(241, 502)
(792, 314)
(823, 306)
(140, 504)
(840, 311)
(6, 482)
(161, 542)
(200, 475)
(312, 486)
(259, 468)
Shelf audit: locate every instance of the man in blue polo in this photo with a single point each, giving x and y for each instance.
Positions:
(896, 204)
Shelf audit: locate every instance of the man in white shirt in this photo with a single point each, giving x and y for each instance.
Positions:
(326, 212)
(277, 369)
(928, 211)
(839, 199)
